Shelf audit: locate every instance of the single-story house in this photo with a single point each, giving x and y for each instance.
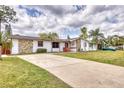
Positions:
(27, 44)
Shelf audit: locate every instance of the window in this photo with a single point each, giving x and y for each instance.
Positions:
(91, 45)
(40, 43)
(85, 44)
(73, 43)
(55, 44)
(66, 45)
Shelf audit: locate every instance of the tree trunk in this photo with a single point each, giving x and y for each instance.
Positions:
(0, 43)
(97, 46)
(85, 46)
(123, 46)
(5, 51)
(59, 47)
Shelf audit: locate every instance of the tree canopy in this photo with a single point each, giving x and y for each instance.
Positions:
(7, 15)
(49, 36)
(84, 34)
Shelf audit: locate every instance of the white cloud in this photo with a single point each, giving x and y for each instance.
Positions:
(67, 20)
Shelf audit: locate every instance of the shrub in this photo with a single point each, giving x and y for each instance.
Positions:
(81, 50)
(41, 50)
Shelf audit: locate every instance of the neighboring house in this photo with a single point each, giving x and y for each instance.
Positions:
(120, 47)
(26, 44)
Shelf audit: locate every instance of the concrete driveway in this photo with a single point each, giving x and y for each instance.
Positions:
(79, 73)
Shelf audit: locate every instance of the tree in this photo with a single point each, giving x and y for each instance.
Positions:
(96, 36)
(7, 15)
(6, 41)
(50, 36)
(53, 36)
(43, 36)
(121, 40)
(84, 36)
(113, 40)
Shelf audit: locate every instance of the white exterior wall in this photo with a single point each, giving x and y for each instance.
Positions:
(60, 49)
(88, 47)
(73, 46)
(123, 47)
(47, 45)
(73, 50)
(15, 46)
(83, 45)
(55, 50)
(62, 45)
(94, 47)
(34, 46)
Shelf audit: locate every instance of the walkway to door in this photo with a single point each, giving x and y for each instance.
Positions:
(78, 72)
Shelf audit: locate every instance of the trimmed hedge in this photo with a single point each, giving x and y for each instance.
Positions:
(41, 50)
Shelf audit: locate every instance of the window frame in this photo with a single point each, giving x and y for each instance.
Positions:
(40, 44)
(55, 45)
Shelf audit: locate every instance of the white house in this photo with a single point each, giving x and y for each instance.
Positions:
(26, 44)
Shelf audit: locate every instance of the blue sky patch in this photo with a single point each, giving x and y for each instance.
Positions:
(79, 7)
(112, 20)
(31, 11)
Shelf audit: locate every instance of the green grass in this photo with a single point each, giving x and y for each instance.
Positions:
(109, 57)
(17, 73)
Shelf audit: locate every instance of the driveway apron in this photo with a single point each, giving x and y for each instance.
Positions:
(79, 73)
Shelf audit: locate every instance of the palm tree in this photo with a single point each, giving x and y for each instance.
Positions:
(96, 36)
(50, 36)
(84, 36)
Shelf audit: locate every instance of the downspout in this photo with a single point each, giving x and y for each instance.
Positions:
(51, 46)
(59, 46)
(0, 42)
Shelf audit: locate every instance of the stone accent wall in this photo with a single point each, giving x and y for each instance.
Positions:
(78, 44)
(25, 46)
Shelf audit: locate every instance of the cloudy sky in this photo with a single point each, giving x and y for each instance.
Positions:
(67, 20)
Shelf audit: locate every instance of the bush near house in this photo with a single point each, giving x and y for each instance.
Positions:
(41, 50)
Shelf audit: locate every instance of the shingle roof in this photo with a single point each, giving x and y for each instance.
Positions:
(24, 37)
(34, 38)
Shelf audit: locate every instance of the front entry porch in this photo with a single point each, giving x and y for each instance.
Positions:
(66, 48)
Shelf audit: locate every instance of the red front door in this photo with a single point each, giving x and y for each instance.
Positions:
(66, 45)
(66, 49)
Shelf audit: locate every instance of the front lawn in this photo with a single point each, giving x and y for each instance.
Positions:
(17, 73)
(110, 57)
